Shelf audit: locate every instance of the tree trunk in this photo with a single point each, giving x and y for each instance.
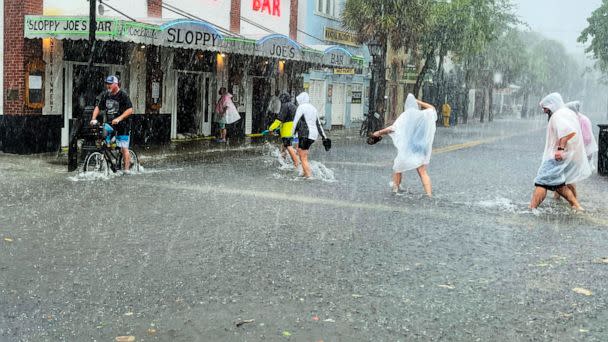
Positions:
(491, 104)
(381, 85)
(422, 74)
(524, 106)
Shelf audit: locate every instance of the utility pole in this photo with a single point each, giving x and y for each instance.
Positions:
(92, 29)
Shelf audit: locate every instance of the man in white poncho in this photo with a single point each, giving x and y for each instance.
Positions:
(564, 160)
(413, 133)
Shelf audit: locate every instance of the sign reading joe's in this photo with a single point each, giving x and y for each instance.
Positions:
(278, 46)
(191, 34)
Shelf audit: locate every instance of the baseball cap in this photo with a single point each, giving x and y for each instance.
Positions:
(111, 79)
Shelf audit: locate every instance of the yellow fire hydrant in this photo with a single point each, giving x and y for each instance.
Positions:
(446, 111)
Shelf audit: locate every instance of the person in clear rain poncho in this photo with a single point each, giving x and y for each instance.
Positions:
(564, 160)
(589, 141)
(413, 133)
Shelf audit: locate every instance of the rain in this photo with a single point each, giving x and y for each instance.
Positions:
(303, 170)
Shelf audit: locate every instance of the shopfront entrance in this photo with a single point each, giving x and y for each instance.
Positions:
(82, 86)
(260, 100)
(194, 105)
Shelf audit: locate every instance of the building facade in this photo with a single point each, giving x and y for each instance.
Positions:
(171, 57)
(339, 93)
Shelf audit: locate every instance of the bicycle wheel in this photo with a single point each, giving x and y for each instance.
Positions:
(134, 161)
(96, 162)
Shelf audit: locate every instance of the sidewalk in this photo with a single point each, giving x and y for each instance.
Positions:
(205, 149)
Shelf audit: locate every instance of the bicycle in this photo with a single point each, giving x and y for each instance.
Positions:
(107, 155)
(371, 124)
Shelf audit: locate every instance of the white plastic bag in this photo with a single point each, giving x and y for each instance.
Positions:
(232, 115)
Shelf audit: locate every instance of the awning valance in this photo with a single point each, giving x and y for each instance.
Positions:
(187, 34)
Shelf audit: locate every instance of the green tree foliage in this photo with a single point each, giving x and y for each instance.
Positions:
(462, 28)
(597, 34)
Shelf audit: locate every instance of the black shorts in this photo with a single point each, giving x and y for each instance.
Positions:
(550, 187)
(305, 143)
(286, 142)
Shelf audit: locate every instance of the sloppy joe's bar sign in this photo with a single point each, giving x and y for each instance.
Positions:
(278, 46)
(42, 27)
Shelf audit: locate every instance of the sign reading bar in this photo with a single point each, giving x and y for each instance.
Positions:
(344, 71)
(337, 56)
(341, 37)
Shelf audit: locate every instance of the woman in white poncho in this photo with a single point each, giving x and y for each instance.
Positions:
(564, 160)
(413, 133)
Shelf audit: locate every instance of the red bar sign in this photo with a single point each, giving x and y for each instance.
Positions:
(272, 8)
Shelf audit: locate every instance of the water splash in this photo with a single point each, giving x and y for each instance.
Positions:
(319, 170)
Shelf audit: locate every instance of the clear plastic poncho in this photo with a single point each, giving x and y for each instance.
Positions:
(574, 166)
(413, 133)
(587, 131)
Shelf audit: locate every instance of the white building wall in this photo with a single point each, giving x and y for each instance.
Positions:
(132, 8)
(216, 12)
(137, 80)
(264, 13)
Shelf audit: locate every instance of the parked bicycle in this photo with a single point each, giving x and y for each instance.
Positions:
(106, 155)
(370, 124)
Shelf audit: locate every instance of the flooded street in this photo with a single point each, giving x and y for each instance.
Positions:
(184, 251)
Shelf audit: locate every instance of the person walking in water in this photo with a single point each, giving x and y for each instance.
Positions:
(413, 133)
(284, 121)
(306, 124)
(564, 161)
(274, 107)
(224, 104)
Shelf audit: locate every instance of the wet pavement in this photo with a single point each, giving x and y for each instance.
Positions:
(186, 249)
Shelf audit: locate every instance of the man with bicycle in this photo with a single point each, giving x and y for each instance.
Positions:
(118, 107)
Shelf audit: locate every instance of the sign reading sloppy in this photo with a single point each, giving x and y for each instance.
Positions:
(190, 34)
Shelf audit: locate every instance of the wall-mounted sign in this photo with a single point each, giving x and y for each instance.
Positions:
(190, 34)
(271, 7)
(341, 37)
(278, 46)
(141, 33)
(45, 26)
(344, 71)
(356, 97)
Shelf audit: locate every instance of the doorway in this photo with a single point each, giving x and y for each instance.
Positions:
(83, 84)
(260, 100)
(194, 112)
